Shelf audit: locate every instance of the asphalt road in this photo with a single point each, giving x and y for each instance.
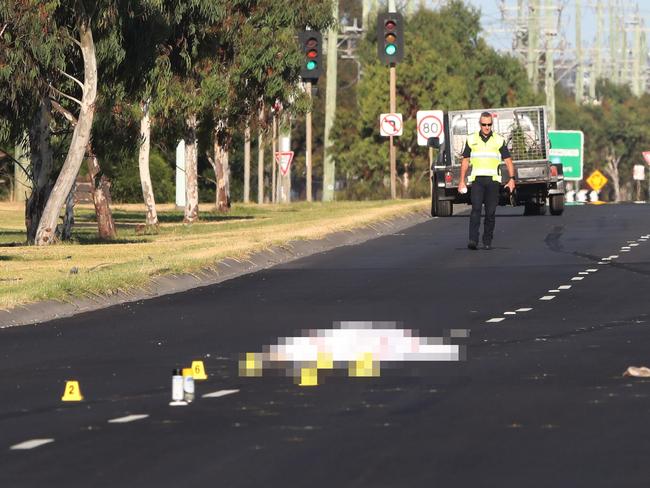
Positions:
(539, 401)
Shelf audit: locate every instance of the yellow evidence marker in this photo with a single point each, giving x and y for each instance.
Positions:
(308, 377)
(198, 371)
(364, 367)
(251, 366)
(72, 392)
(325, 361)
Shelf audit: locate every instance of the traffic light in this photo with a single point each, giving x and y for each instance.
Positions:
(390, 37)
(311, 44)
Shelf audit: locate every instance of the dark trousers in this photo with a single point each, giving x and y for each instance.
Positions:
(485, 191)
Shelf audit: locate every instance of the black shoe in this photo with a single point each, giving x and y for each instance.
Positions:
(487, 247)
(472, 245)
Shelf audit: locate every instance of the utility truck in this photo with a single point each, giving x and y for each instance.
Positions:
(525, 131)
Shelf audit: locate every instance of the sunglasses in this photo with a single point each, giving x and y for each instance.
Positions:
(486, 125)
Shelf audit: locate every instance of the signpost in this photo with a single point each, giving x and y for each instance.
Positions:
(284, 160)
(430, 124)
(390, 125)
(639, 175)
(597, 180)
(567, 148)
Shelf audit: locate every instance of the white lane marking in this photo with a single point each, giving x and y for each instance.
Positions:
(554, 291)
(577, 278)
(128, 418)
(548, 297)
(603, 262)
(220, 393)
(583, 273)
(509, 313)
(634, 245)
(614, 256)
(625, 250)
(564, 287)
(495, 320)
(592, 270)
(31, 444)
(524, 309)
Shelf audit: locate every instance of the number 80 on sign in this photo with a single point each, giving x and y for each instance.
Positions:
(430, 124)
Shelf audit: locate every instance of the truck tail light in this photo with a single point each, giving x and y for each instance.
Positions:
(553, 170)
(448, 178)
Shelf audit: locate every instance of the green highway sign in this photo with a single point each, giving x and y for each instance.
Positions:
(567, 148)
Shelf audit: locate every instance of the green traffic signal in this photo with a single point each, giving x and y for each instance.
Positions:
(311, 65)
(390, 49)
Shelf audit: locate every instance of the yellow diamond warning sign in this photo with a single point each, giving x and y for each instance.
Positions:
(597, 180)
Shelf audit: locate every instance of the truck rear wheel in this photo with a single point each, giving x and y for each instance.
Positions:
(556, 202)
(533, 208)
(445, 208)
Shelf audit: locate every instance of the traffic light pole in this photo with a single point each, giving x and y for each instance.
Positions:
(393, 156)
(308, 142)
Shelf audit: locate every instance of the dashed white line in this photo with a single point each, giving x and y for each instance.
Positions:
(614, 256)
(583, 273)
(577, 278)
(603, 262)
(524, 309)
(548, 297)
(509, 313)
(31, 444)
(592, 270)
(564, 287)
(634, 245)
(554, 291)
(220, 393)
(495, 320)
(128, 418)
(625, 250)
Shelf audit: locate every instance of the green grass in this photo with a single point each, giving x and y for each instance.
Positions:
(87, 266)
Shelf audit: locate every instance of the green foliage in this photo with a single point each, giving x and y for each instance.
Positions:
(447, 66)
(126, 179)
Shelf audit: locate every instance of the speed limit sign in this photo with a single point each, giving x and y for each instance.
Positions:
(430, 124)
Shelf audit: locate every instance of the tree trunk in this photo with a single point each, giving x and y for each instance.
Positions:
(42, 163)
(64, 231)
(101, 197)
(143, 163)
(222, 175)
(260, 159)
(191, 172)
(611, 168)
(247, 164)
(45, 233)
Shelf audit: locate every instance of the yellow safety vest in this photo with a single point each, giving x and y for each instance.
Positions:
(485, 157)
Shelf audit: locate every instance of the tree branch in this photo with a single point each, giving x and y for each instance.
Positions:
(65, 112)
(65, 95)
(15, 161)
(73, 79)
(4, 27)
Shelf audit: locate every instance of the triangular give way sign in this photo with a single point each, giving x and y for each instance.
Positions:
(284, 160)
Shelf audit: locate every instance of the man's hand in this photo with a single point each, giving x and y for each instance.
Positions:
(462, 187)
(511, 185)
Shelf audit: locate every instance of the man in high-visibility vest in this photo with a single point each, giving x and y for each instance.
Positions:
(484, 150)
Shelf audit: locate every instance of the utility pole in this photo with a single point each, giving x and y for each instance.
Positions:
(247, 163)
(636, 55)
(549, 65)
(533, 55)
(393, 109)
(330, 107)
(580, 73)
(596, 67)
(613, 42)
(308, 143)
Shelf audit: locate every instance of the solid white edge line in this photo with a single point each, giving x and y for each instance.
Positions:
(564, 287)
(31, 444)
(220, 393)
(128, 418)
(495, 320)
(524, 309)
(548, 297)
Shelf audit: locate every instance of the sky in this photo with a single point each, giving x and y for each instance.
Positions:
(493, 25)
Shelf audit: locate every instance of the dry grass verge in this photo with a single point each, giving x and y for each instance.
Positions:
(86, 266)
